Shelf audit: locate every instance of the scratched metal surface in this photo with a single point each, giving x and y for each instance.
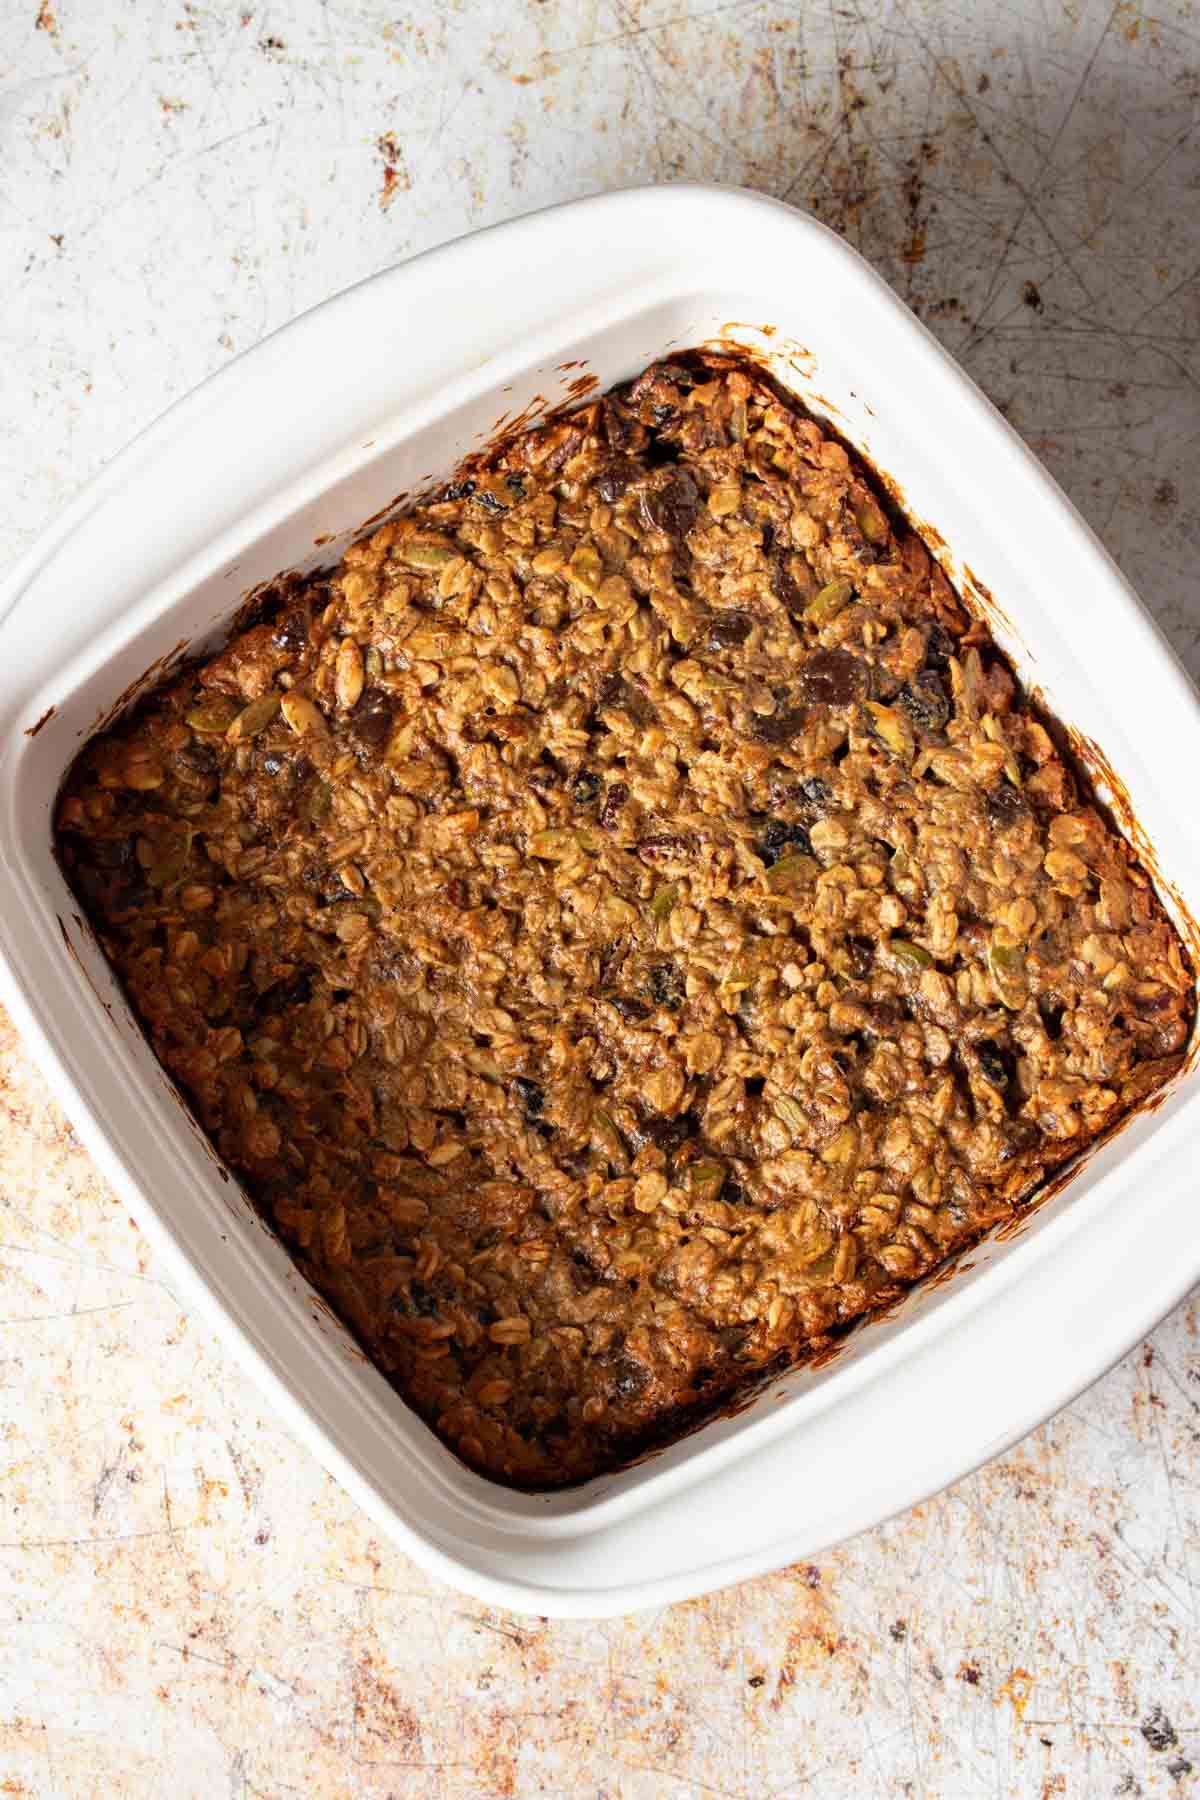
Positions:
(190, 1607)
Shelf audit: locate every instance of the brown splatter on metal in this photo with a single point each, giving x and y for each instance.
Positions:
(32, 730)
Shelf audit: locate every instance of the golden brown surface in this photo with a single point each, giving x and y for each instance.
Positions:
(625, 924)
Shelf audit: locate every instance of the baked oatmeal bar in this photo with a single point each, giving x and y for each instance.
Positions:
(625, 923)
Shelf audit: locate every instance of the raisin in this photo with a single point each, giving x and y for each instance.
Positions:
(784, 585)
(835, 678)
(995, 1063)
(620, 427)
(925, 701)
(779, 838)
(630, 1009)
(666, 1134)
(291, 631)
(665, 846)
(628, 1378)
(201, 758)
(666, 985)
(296, 991)
(1051, 1009)
(533, 1098)
(939, 648)
(116, 854)
(424, 1302)
(1004, 805)
(861, 952)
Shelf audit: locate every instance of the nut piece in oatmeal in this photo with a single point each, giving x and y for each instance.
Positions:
(625, 923)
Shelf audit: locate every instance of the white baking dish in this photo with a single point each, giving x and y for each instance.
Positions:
(379, 391)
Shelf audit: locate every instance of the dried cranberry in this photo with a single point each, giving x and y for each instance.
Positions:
(614, 800)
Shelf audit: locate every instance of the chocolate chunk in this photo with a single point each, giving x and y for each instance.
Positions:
(729, 629)
(780, 727)
(675, 507)
(371, 720)
(614, 477)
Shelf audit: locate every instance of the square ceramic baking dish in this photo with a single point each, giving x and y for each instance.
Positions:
(273, 464)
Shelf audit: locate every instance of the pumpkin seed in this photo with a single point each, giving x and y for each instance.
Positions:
(828, 602)
(301, 713)
(892, 728)
(213, 716)
(871, 522)
(585, 568)
(170, 856)
(706, 1179)
(558, 843)
(792, 1114)
(349, 676)
(254, 718)
(1007, 964)
(910, 956)
(420, 553)
(664, 903)
(791, 869)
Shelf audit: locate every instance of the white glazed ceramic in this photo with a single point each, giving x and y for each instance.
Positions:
(382, 390)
